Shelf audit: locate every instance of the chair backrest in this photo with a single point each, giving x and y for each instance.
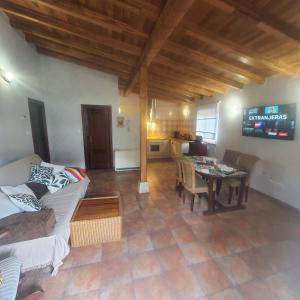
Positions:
(231, 157)
(247, 162)
(179, 174)
(188, 171)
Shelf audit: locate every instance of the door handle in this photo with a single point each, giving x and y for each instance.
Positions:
(90, 139)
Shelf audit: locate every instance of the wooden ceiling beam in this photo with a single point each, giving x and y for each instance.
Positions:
(87, 15)
(169, 88)
(159, 95)
(171, 16)
(181, 80)
(155, 93)
(81, 62)
(83, 56)
(106, 42)
(37, 20)
(212, 61)
(177, 93)
(36, 39)
(197, 72)
(186, 79)
(179, 86)
(265, 22)
(244, 52)
(170, 91)
(140, 8)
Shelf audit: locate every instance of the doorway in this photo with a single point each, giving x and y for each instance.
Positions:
(97, 136)
(39, 129)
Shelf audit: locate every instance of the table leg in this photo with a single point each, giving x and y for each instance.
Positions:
(211, 199)
(219, 186)
(241, 191)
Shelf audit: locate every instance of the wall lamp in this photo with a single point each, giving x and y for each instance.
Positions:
(7, 76)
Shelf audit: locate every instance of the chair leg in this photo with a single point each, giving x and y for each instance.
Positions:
(184, 195)
(237, 191)
(192, 202)
(214, 199)
(230, 194)
(246, 193)
(180, 189)
(219, 186)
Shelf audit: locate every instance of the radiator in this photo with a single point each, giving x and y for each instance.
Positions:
(127, 159)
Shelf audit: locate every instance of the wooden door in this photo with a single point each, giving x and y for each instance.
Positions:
(39, 129)
(97, 135)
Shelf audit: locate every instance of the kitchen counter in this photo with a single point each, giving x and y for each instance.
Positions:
(156, 138)
(182, 141)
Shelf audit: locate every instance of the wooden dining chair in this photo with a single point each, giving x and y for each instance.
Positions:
(247, 163)
(231, 157)
(192, 182)
(179, 176)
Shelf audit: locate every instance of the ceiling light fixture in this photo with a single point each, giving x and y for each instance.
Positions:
(7, 76)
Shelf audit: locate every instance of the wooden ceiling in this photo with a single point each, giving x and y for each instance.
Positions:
(192, 48)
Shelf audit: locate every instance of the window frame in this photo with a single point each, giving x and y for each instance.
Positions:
(215, 132)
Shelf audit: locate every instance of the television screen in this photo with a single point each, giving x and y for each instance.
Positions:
(273, 122)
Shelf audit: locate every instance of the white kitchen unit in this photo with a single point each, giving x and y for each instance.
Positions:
(127, 159)
(158, 148)
(179, 147)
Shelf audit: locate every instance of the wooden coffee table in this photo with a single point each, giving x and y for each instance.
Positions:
(97, 219)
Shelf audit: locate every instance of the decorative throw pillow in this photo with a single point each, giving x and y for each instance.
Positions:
(38, 189)
(75, 174)
(7, 208)
(10, 269)
(58, 181)
(40, 174)
(26, 202)
(23, 197)
(56, 168)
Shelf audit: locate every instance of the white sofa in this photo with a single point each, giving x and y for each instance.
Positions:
(50, 250)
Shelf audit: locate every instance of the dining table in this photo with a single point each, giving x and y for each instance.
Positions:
(215, 172)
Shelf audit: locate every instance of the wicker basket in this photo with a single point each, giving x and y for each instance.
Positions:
(96, 229)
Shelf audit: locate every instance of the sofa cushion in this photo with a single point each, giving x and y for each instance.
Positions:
(75, 174)
(7, 208)
(56, 168)
(18, 172)
(40, 174)
(58, 181)
(38, 189)
(23, 197)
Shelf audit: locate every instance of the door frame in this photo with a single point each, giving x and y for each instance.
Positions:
(42, 104)
(84, 115)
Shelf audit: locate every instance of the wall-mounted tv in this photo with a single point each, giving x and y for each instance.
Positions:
(271, 122)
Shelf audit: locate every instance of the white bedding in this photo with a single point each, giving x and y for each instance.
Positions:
(53, 249)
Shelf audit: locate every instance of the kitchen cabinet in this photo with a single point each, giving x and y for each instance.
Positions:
(158, 148)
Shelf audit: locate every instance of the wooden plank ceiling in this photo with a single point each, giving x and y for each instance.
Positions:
(214, 46)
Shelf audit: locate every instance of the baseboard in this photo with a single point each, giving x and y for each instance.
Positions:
(278, 201)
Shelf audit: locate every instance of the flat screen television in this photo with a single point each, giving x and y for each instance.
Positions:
(271, 122)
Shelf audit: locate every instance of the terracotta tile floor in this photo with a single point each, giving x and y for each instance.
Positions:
(167, 252)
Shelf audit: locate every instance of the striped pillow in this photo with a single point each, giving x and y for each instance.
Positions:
(75, 174)
(9, 277)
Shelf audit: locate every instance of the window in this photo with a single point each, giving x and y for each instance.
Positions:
(207, 122)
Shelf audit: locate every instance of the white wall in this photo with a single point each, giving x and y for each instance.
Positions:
(277, 174)
(129, 136)
(20, 58)
(65, 86)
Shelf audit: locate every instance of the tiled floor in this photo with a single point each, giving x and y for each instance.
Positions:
(170, 253)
